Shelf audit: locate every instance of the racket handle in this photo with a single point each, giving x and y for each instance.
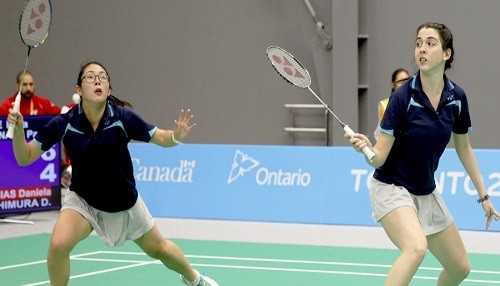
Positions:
(17, 102)
(367, 151)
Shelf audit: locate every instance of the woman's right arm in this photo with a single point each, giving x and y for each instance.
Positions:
(381, 148)
(25, 152)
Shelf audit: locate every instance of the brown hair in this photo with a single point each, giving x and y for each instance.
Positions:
(446, 38)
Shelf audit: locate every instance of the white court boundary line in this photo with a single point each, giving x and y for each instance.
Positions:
(139, 263)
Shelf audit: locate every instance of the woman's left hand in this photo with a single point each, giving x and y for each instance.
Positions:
(182, 125)
(490, 212)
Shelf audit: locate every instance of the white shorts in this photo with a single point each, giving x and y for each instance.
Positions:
(112, 228)
(431, 210)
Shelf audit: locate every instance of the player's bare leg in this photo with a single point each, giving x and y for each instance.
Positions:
(70, 228)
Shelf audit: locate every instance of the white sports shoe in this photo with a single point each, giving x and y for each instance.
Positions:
(204, 281)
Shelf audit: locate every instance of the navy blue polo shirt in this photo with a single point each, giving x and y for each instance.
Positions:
(421, 133)
(102, 167)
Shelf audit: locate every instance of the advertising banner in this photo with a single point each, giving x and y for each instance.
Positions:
(313, 185)
(36, 187)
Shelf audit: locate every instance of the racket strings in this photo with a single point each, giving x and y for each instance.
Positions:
(35, 22)
(288, 67)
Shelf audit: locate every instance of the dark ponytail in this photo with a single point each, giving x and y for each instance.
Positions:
(119, 101)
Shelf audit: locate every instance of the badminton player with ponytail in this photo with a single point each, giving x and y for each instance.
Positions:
(422, 115)
(103, 195)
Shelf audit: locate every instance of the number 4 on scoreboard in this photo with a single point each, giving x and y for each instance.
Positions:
(49, 172)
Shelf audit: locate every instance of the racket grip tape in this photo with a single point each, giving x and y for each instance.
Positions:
(17, 103)
(367, 151)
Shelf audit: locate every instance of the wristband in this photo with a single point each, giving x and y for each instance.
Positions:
(175, 140)
(485, 198)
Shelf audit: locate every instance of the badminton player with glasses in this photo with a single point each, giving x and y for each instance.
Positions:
(421, 117)
(103, 195)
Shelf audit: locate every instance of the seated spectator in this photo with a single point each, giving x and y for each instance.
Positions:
(31, 103)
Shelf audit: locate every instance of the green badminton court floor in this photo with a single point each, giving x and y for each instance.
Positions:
(22, 262)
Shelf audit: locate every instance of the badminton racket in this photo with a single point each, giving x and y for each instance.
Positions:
(34, 26)
(292, 71)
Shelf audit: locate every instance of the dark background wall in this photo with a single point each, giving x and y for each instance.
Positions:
(164, 55)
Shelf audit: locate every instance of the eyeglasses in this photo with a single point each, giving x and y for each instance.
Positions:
(90, 78)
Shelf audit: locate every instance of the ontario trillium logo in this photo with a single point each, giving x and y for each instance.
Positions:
(242, 163)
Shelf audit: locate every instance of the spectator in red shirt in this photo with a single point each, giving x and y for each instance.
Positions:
(31, 103)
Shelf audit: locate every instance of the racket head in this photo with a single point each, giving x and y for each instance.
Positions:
(35, 21)
(288, 67)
